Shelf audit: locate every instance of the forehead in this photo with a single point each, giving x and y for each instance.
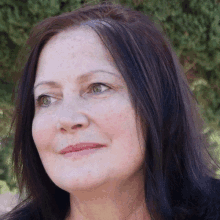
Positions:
(73, 48)
(72, 53)
(76, 42)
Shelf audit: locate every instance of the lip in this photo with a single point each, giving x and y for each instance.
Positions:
(80, 147)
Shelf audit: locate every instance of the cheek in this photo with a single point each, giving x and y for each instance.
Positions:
(41, 131)
(128, 146)
(121, 125)
(118, 118)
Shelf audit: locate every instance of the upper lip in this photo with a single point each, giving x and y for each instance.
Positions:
(79, 147)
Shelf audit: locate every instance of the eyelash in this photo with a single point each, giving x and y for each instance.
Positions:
(39, 98)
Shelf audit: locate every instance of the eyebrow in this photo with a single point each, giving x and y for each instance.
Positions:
(80, 79)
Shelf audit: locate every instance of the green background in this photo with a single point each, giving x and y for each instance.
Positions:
(192, 26)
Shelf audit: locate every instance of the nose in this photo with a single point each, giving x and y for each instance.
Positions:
(71, 117)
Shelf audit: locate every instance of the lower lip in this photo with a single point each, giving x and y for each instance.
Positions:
(82, 153)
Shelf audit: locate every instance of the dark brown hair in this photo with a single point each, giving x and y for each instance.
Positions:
(177, 163)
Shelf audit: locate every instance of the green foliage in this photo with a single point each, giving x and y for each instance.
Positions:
(3, 187)
(6, 108)
(6, 173)
(194, 30)
(192, 26)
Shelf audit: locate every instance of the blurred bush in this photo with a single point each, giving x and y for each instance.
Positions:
(192, 26)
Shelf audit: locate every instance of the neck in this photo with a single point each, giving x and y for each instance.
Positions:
(111, 201)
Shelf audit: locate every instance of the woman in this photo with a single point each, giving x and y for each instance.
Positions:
(134, 150)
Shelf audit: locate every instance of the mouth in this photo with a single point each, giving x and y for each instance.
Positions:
(80, 147)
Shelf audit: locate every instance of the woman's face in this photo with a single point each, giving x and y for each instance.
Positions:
(69, 66)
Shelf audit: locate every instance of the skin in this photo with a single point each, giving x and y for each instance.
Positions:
(107, 184)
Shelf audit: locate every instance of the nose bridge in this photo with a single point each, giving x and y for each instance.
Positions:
(72, 112)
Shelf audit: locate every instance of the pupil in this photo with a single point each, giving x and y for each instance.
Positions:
(45, 100)
(96, 90)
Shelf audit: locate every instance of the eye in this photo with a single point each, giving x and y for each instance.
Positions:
(44, 100)
(96, 87)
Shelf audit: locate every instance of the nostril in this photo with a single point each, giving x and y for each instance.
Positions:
(76, 126)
